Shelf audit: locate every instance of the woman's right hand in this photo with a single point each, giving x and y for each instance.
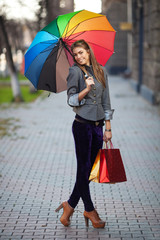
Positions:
(89, 82)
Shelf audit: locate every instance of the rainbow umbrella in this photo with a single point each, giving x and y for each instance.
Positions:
(48, 58)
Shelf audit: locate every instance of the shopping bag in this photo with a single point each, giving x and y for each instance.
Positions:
(94, 175)
(111, 166)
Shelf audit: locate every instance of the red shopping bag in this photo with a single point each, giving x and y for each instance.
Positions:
(111, 166)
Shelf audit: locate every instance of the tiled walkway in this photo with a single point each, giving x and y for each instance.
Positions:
(37, 171)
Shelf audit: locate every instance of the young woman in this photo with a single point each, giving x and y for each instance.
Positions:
(88, 94)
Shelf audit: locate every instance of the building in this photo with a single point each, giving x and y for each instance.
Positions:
(146, 49)
(116, 12)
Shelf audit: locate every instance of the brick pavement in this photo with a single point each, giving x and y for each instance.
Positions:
(37, 171)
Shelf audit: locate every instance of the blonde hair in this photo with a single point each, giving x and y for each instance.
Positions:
(97, 69)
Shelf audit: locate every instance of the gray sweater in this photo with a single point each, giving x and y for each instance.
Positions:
(96, 104)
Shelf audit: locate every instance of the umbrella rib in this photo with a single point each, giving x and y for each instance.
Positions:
(84, 32)
(61, 48)
(80, 23)
(77, 27)
(73, 31)
(75, 36)
(53, 52)
(45, 50)
(94, 44)
(100, 46)
(68, 26)
(70, 20)
(89, 41)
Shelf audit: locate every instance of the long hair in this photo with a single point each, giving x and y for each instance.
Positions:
(97, 69)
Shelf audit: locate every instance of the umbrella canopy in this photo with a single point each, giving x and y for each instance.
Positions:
(48, 58)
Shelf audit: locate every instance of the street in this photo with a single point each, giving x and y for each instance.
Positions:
(38, 169)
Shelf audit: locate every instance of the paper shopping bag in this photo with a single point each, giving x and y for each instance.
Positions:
(111, 166)
(94, 175)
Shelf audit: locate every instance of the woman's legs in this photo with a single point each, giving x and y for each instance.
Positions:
(88, 140)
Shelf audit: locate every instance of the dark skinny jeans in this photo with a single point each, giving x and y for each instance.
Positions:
(88, 140)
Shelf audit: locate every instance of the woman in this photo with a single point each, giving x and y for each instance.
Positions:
(88, 94)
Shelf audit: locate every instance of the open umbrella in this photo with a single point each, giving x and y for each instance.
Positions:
(48, 58)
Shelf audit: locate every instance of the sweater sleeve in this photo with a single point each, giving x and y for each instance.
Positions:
(73, 88)
(106, 100)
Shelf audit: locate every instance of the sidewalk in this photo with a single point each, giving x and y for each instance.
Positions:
(37, 171)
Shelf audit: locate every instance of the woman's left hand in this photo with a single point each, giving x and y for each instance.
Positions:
(107, 136)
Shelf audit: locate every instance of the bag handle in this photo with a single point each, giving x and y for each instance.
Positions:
(110, 145)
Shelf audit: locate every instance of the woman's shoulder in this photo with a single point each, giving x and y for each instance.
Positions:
(75, 73)
(74, 69)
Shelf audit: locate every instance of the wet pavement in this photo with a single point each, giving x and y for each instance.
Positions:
(38, 167)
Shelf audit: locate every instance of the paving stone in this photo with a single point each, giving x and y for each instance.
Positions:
(38, 170)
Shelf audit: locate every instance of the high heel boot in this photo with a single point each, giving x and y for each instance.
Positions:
(67, 213)
(94, 218)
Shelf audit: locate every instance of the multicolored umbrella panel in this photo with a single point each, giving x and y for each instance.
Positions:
(48, 58)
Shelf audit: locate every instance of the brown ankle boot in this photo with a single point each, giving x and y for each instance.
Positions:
(67, 213)
(94, 218)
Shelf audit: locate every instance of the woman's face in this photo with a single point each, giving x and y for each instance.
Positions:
(81, 55)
